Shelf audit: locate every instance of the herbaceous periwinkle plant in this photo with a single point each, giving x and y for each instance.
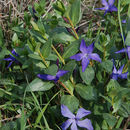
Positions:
(61, 75)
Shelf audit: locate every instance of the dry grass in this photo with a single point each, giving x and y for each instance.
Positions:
(12, 9)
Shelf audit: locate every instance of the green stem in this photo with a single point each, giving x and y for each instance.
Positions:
(43, 59)
(72, 26)
(65, 87)
(119, 18)
(58, 54)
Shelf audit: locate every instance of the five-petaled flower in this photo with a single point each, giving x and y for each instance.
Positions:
(127, 50)
(75, 121)
(108, 6)
(11, 58)
(51, 77)
(118, 73)
(85, 55)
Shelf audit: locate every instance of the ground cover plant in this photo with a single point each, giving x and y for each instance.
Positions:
(54, 75)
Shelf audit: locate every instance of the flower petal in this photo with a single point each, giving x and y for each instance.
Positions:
(82, 113)
(90, 48)
(85, 62)
(113, 8)
(46, 77)
(10, 64)
(8, 59)
(123, 21)
(66, 112)
(85, 124)
(128, 51)
(121, 51)
(94, 56)
(102, 8)
(114, 76)
(114, 70)
(104, 2)
(120, 69)
(83, 47)
(66, 124)
(111, 2)
(74, 126)
(77, 57)
(61, 73)
(14, 53)
(124, 75)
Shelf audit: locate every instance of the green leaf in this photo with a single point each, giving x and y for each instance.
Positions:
(52, 70)
(107, 65)
(70, 66)
(110, 119)
(35, 56)
(46, 49)
(69, 85)
(19, 29)
(59, 7)
(116, 105)
(39, 85)
(86, 92)
(113, 84)
(60, 34)
(71, 50)
(3, 53)
(127, 41)
(70, 101)
(37, 35)
(88, 75)
(75, 12)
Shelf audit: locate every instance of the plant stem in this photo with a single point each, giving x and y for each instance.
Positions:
(71, 24)
(58, 54)
(65, 87)
(43, 59)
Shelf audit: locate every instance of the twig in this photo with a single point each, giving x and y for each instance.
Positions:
(126, 124)
(11, 118)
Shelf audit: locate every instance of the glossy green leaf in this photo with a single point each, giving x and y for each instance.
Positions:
(86, 92)
(110, 119)
(71, 50)
(52, 70)
(35, 56)
(88, 75)
(75, 12)
(39, 85)
(46, 49)
(70, 101)
(107, 65)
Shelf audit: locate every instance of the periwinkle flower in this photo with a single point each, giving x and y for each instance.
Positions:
(85, 55)
(123, 21)
(127, 50)
(75, 121)
(118, 73)
(11, 58)
(108, 6)
(51, 77)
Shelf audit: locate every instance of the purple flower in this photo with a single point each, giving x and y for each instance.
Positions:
(75, 120)
(108, 6)
(123, 21)
(118, 73)
(127, 50)
(11, 58)
(51, 77)
(85, 55)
